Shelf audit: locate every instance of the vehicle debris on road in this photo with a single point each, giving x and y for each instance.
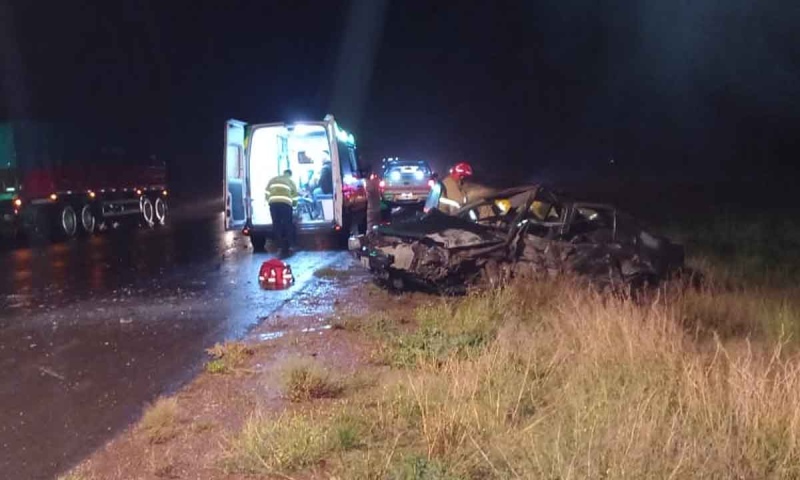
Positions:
(528, 232)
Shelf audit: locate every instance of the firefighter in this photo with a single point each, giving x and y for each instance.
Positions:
(281, 194)
(454, 195)
(458, 189)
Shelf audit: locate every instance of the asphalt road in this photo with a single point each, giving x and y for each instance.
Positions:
(93, 329)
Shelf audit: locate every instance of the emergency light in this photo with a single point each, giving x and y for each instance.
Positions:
(275, 275)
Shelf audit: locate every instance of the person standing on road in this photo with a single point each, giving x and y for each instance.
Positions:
(453, 194)
(374, 202)
(281, 194)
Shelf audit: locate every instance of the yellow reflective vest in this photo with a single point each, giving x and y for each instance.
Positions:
(281, 189)
(453, 197)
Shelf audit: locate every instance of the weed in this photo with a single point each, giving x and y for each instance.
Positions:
(203, 426)
(227, 357)
(416, 467)
(73, 476)
(348, 432)
(268, 445)
(160, 422)
(305, 379)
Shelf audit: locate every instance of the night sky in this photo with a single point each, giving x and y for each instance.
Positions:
(678, 89)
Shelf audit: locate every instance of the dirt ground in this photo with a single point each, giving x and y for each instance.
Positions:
(214, 406)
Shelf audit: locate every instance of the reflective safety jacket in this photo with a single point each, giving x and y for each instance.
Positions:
(281, 189)
(456, 194)
(453, 196)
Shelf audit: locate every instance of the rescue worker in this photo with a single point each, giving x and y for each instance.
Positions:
(458, 190)
(453, 194)
(374, 202)
(281, 194)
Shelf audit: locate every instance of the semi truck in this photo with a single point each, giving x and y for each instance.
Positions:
(312, 150)
(59, 181)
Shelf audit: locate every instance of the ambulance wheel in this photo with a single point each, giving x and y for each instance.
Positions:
(258, 242)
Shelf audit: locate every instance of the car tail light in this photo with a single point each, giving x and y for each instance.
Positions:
(431, 183)
(382, 184)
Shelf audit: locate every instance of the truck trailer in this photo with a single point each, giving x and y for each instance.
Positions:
(57, 183)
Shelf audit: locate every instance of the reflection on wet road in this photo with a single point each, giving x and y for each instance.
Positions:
(93, 329)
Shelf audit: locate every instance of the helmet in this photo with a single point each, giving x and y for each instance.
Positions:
(461, 170)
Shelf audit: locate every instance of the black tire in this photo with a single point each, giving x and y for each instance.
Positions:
(88, 220)
(258, 242)
(160, 209)
(148, 213)
(67, 221)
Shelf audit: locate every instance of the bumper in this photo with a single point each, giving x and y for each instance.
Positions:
(375, 260)
(404, 197)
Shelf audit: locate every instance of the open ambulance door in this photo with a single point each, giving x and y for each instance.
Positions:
(234, 176)
(336, 167)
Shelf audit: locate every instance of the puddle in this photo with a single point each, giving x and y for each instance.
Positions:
(316, 329)
(269, 336)
(266, 337)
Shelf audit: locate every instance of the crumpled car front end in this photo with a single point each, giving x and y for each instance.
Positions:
(536, 235)
(437, 252)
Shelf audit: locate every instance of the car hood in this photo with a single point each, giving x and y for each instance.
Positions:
(445, 230)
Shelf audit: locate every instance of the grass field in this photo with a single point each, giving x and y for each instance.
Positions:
(551, 380)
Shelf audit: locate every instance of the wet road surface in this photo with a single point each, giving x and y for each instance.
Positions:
(93, 329)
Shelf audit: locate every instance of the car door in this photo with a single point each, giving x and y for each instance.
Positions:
(234, 175)
(336, 165)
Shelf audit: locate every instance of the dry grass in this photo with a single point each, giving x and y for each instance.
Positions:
(73, 476)
(305, 379)
(269, 445)
(160, 422)
(227, 357)
(556, 381)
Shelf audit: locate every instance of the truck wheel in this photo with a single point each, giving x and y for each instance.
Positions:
(160, 208)
(88, 221)
(68, 221)
(258, 241)
(147, 212)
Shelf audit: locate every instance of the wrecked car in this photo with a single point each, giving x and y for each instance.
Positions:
(527, 232)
